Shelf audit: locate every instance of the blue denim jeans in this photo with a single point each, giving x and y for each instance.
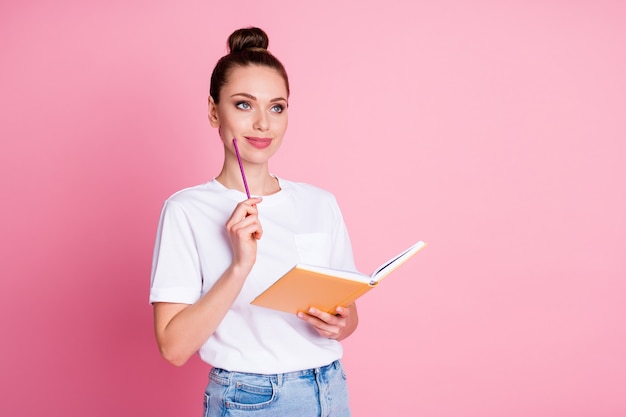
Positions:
(319, 392)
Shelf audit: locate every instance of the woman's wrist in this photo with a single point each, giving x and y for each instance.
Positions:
(239, 271)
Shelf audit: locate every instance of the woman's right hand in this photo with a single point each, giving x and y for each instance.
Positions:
(244, 229)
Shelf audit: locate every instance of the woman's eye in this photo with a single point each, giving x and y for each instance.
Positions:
(278, 108)
(244, 105)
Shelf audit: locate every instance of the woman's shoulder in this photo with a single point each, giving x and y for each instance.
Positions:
(309, 194)
(305, 188)
(196, 192)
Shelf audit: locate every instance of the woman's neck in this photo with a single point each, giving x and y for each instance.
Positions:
(260, 182)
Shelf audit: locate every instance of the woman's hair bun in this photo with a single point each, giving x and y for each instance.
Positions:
(246, 47)
(247, 38)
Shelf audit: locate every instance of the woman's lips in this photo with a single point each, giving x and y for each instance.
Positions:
(259, 142)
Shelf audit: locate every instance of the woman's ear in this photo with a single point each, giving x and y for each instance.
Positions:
(213, 119)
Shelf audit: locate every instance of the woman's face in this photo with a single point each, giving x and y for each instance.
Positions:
(253, 109)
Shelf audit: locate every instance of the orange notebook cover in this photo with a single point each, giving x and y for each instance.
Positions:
(306, 286)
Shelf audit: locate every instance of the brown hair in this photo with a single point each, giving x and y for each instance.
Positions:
(246, 46)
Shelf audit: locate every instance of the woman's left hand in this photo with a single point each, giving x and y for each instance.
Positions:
(332, 326)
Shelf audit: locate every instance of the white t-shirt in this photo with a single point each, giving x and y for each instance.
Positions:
(301, 223)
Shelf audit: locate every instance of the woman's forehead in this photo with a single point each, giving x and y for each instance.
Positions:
(256, 80)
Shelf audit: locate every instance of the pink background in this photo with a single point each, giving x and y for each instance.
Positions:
(493, 130)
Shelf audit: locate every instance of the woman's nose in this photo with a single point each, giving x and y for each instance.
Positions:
(261, 122)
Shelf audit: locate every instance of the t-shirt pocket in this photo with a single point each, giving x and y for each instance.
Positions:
(313, 248)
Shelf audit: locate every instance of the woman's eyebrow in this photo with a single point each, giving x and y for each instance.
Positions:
(250, 96)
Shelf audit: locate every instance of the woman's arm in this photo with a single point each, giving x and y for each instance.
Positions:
(181, 329)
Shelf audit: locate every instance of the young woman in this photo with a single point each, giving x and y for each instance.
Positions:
(216, 250)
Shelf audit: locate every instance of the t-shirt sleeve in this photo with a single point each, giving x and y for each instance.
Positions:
(342, 256)
(176, 276)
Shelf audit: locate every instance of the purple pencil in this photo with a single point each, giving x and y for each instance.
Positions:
(243, 175)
